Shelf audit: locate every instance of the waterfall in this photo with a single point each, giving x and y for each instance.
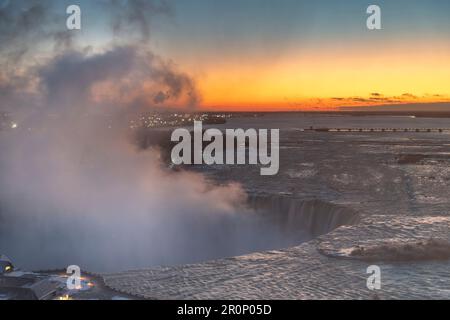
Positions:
(315, 217)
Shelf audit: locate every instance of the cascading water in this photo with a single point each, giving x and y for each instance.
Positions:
(302, 220)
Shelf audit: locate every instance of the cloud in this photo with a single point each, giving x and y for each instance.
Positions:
(128, 77)
(422, 107)
(69, 78)
(125, 72)
(135, 16)
(379, 98)
(29, 25)
(161, 97)
(408, 96)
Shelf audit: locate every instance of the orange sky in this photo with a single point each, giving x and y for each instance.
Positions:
(326, 78)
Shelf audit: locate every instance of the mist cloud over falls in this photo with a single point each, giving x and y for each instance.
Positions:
(79, 193)
(74, 190)
(105, 206)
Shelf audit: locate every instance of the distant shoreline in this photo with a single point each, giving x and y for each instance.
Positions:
(417, 114)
